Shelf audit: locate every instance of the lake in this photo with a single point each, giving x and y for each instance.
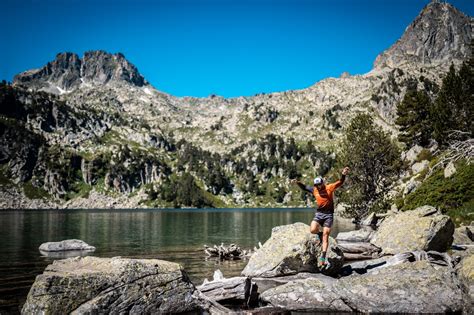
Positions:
(173, 235)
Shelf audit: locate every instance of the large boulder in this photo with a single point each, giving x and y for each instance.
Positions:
(307, 295)
(291, 249)
(424, 228)
(95, 285)
(412, 287)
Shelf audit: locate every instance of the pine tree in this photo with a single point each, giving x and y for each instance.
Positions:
(464, 112)
(374, 161)
(444, 109)
(413, 118)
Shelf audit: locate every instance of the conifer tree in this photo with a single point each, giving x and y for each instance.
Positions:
(413, 118)
(444, 109)
(374, 160)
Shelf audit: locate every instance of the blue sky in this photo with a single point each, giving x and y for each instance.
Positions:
(198, 48)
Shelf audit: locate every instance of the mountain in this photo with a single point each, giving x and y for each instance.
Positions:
(68, 72)
(92, 132)
(440, 34)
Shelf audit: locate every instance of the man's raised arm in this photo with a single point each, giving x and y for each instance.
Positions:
(339, 183)
(302, 186)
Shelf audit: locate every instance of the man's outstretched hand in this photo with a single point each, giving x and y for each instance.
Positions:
(294, 181)
(345, 171)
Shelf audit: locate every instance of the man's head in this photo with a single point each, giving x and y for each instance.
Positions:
(318, 182)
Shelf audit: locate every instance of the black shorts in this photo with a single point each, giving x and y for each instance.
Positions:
(324, 219)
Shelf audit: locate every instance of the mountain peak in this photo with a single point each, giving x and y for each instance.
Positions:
(67, 71)
(440, 33)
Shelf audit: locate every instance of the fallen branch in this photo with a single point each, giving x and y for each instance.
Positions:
(230, 252)
(458, 149)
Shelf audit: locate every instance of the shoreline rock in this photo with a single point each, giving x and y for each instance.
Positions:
(112, 285)
(292, 249)
(424, 228)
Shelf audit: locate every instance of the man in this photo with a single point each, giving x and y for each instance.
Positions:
(324, 216)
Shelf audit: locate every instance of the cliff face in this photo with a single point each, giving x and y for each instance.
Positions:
(94, 124)
(440, 34)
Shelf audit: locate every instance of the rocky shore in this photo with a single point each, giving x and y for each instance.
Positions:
(424, 265)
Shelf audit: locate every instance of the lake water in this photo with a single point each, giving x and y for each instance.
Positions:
(173, 235)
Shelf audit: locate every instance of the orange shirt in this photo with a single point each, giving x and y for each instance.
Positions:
(324, 197)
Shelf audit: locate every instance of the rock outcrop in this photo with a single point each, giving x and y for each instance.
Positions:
(92, 285)
(424, 228)
(291, 249)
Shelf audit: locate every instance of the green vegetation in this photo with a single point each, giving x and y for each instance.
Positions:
(413, 118)
(453, 108)
(33, 192)
(421, 120)
(374, 161)
(453, 195)
(424, 154)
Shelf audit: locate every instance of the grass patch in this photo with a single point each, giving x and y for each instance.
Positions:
(454, 196)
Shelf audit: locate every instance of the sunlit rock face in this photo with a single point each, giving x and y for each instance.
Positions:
(439, 34)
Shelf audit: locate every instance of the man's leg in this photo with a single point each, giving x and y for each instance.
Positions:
(315, 228)
(326, 232)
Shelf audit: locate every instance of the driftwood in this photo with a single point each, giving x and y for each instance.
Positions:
(214, 306)
(226, 252)
(436, 258)
(236, 290)
(459, 148)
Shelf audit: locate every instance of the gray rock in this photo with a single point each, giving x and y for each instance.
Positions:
(361, 235)
(466, 274)
(370, 220)
(463, 235)
(404, 288)
(309, 295)
(66, 245)
(424, 228)
(449, 170)
(265, 284)
(411, 186)
(420, 166)
(291, 249)
(412, 154)
(92, 285)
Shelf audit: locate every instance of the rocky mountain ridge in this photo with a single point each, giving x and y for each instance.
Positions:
(106, 130)
(68, 72)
